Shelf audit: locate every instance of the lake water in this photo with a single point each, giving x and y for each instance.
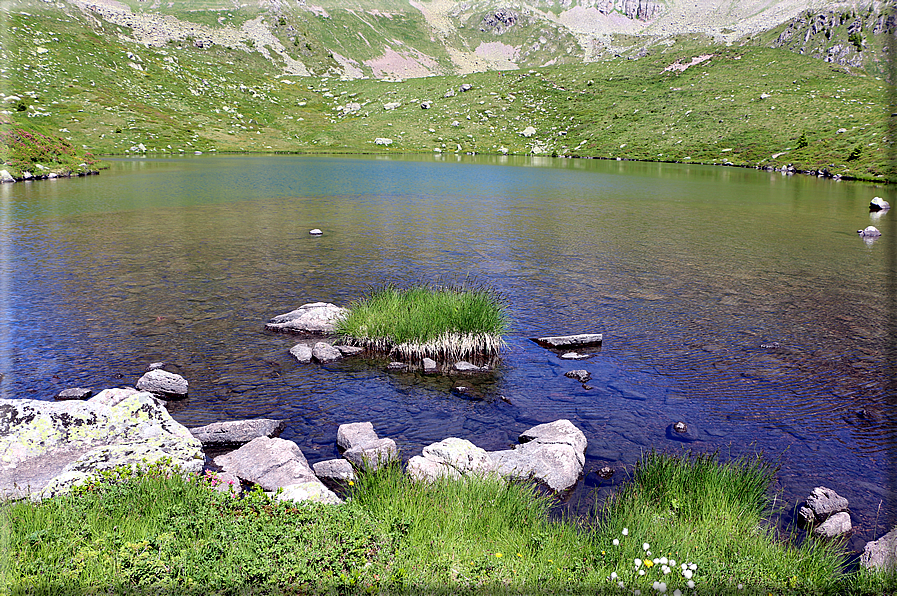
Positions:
(686, 270)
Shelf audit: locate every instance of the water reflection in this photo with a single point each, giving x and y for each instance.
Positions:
(736, 301)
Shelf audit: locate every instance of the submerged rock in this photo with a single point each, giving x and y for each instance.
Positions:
(47, 447)
(315, 317)
(238, 432)
(679, 431)
(467, 367)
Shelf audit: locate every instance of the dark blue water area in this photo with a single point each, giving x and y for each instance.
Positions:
(687, 271)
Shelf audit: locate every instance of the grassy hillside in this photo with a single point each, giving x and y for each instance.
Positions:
(84, 80)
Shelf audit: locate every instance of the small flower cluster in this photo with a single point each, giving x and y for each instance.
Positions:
(666, 566)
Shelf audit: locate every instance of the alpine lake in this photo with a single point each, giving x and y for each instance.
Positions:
(740, 302)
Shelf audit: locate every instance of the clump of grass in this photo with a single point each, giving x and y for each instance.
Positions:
(710, 516)
(444, 323)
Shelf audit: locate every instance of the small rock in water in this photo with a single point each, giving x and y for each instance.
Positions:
(869, 232)
(323, 352)
(770, 345)
(570, 341)
(606, 472)
(464, 366)
(238, 432)
(396, 367)
(163, 384)
(74, 393)
(429, 365)
(155, 366)
(821, 504)
(573, 356)
(879, 204)
(302, 352)
(349, 350)
(679, 431)
(580, 375)
(316, 232)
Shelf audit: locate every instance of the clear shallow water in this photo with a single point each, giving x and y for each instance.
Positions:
(686, 270)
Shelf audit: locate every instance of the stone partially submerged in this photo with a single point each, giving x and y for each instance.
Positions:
(552, 453)
(237, 432)
(46, 447)
(315, 317)
(164, 384)
(363, 448)
(881, 554)
(561, 342)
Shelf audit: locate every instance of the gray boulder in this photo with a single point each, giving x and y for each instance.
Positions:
(836, 525)
(315, 317)
(869, 232)
(450, 458)
(5, 176)
(270, 463)
(47, 447)
(370, 457)
(163, 384)
(355, 434)
(553, 453)
(881, 554)
(363, 448)
(429, 365)
(302, 352)
(569, 341)
(820, 505)
(74, 393)
(335, 470)
(323, 352)
(465, 87)
(238, 432)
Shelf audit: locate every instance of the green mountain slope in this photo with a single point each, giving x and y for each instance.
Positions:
(205, 77)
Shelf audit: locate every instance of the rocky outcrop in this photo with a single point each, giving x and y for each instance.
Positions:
(882, 553)
(46, 447)
(237, 432)
(276, 464)
(315, 317)
(552, 453)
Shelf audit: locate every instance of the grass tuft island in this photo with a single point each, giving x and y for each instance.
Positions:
(444, 323)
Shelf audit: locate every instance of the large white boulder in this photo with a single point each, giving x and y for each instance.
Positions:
(46, 447)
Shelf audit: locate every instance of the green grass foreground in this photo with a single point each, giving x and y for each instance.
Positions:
(443, 323)
(157, 533)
